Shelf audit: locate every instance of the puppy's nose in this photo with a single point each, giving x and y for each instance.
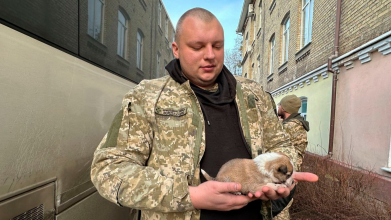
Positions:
(283, 169)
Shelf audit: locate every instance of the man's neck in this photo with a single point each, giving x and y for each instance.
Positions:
(286, 115)
(212, 87)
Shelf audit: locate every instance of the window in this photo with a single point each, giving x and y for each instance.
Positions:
(389, 158)
(159, 15)
(306, 21)
(122, 34)
(253, 71)
(303, 108)
(95, 19)
(258, 69)
(255, 24)
(260, 15)
(285, 40)
(158, 64)
(247, 40)
(388, 168)
(271, 55)
(166, 27)
(140, 48)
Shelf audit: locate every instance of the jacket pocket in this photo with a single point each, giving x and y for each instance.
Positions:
(174, 140)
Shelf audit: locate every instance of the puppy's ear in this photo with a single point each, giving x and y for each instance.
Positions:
(283, 169)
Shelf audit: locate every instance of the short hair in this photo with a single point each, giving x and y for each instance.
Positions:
(200, 13)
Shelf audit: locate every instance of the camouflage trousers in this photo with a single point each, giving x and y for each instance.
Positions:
(284, 214)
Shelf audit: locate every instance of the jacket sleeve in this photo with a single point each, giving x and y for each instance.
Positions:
(119, 170)
(275, 139)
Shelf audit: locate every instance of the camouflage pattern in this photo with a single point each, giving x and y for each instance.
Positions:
(153, 149)
(298, 137)
(284, 214)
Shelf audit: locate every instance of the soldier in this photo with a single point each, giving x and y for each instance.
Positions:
(297, 127)
(199, 116)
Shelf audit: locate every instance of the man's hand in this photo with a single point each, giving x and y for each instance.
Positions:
(215, 195)
(271, 194)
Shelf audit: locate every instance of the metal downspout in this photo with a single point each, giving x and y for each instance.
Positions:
(335, 78)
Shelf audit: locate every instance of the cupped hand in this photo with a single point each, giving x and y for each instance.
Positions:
(215, 195)
(268, 193)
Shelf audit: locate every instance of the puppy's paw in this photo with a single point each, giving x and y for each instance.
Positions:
(276, 186)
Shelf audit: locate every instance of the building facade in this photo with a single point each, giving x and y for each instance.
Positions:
(124, 37)
(131, 38)
(334, 56)
(65, 67)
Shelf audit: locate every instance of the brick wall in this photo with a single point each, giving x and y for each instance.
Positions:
(54, 21)
(162, 43)
(320, 48)
(142, 17)
(64, 24)
(363, 21)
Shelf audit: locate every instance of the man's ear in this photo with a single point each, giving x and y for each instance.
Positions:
(175, 50)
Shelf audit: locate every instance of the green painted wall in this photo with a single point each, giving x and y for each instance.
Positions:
(318, 112)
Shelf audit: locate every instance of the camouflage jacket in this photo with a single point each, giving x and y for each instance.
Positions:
(152, 152)
(296, 126)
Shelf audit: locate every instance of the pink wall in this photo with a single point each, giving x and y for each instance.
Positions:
(363, 114)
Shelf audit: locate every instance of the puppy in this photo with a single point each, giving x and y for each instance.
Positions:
(270, 169)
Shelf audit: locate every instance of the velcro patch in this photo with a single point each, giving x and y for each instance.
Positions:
(171, 111)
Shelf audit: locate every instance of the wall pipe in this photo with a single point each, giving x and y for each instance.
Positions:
(335, 78)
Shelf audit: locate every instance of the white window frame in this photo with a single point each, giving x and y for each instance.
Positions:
(247, 41)
(272, 54)
(122, 34)
(95, 19)
(140, 48)
(258, 69)
(285, 40)
(389, 158)
(160, 14)
(388, 168)
(260, 16)
(253, 71)
(303, 100)
(255, 24)
(306, 21)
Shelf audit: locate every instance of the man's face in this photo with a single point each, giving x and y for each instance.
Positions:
(200, 50)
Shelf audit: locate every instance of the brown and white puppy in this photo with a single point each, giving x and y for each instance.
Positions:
(270, 169)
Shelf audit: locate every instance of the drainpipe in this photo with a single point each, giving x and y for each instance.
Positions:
(335, 78)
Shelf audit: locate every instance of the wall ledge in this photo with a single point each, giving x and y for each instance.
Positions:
(381, 44)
